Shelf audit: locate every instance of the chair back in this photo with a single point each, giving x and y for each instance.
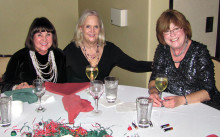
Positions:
(3, 63)
(216, 62)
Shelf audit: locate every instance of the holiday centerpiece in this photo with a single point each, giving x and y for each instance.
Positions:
(52, 128)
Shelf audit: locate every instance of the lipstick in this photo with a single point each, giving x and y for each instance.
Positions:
(168, 129)
(166, 125)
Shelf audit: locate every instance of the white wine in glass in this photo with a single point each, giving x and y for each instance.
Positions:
(161, 83)
(92, 72)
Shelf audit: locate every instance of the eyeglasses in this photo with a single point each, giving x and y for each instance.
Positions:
(175, 30)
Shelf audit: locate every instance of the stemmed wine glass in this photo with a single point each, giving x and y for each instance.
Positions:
(92, 72)
(161, 83)
(96, 89)
(39, 90)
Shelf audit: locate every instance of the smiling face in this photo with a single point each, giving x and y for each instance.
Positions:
(176, 38)
(43, 41)
(90, 30)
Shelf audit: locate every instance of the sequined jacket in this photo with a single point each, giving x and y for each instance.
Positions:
(195, 72)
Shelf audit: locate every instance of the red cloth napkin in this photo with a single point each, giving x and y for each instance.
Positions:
(73, 104)
(65, 88)
(212, 135)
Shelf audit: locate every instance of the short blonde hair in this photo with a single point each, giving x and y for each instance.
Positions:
(78, 35)
(175, 17)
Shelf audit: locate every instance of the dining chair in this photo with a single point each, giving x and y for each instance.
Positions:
(3, 62)
(216, 62)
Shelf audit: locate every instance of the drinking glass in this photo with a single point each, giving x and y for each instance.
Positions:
(111, 88)
(161, 83)
(39, 90)
(92, 72)
(96, 89)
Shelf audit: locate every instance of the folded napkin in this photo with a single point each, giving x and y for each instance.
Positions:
(73, 104)
(126, 107)
(212, 135)
(105, 103)
(24, 95)
(65, 88)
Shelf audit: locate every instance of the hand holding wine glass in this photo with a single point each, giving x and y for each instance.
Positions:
(92, 72)
(161, 82)
(96, 89)
(39, 90)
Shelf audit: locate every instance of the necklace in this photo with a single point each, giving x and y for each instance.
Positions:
(186, 43)
(91, 57)
(52, 73)
(177, 61)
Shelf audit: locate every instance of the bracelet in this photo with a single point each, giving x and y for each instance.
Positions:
(14, 87)
(185, 100)
(152, 88)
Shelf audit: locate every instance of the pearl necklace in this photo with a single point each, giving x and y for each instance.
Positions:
(89, 57)
(39, 67)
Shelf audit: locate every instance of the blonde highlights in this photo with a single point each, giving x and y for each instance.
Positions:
(78, 34)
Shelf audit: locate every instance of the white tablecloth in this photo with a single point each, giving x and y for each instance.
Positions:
(194, 120)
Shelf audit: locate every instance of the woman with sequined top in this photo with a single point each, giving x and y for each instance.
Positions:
(185, 62)
(89, 47)
(40, 58)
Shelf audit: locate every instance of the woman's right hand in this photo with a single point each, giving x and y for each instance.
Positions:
(156, 100)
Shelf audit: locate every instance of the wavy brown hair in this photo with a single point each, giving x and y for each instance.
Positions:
(175, 17)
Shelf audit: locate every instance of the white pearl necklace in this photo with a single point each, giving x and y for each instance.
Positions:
(39, 67)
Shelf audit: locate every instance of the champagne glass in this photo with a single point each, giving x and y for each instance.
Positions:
(92, 72)
(161, 83)
(96, 89)
(39, 90)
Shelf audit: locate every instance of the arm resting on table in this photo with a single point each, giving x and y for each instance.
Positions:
(196, 97)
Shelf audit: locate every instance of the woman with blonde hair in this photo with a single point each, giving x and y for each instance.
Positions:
(89, 47)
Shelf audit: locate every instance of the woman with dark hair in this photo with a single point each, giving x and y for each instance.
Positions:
(40, 58)
(185, 62)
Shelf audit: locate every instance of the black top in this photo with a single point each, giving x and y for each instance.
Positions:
(20, 68)
(112, 56)
(195, 72)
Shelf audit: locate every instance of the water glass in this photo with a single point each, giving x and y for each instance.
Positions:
(16, 109)
(5, 107)
(144, 110)
(111, 88)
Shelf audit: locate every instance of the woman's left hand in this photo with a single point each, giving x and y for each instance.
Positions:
(23, 85)
(173, 101)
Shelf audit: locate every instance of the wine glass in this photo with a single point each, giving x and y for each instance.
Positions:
(92, 72)
(161, 83)
(96, 89)
(39, 90)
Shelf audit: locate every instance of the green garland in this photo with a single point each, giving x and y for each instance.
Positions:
(52, 128)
